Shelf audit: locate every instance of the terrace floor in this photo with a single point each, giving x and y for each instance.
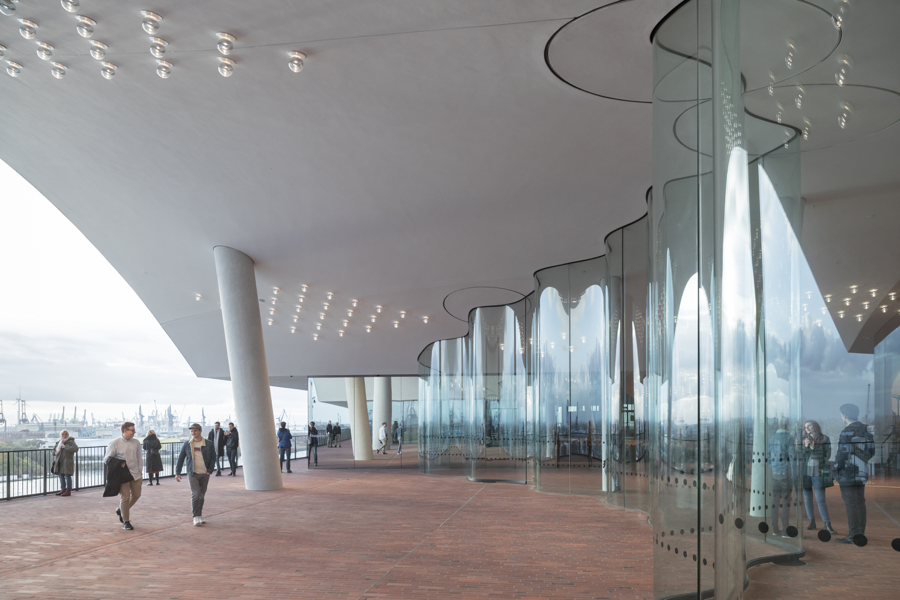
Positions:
(377, 533)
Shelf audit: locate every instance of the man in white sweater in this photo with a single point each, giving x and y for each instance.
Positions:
(383, 438)
(128, 449)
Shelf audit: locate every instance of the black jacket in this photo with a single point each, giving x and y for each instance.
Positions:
(117, 473)
(328, 428)
(232, 440)
(313, 437)
(220, 447)
(152, 460)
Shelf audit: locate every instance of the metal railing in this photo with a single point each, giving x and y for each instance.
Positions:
(26, 473)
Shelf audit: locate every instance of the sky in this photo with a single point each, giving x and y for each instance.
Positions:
(73, 333)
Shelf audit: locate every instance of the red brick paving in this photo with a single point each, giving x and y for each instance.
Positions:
(329, 534)
(383, 534)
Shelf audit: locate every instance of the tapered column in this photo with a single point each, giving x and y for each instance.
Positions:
(381, 410)
(247, 365)
(361, 436)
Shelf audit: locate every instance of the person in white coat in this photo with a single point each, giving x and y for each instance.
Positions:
(383, 438)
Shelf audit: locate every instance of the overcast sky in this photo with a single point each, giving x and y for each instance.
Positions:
(73, 333)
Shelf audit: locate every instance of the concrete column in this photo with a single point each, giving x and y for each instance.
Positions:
(381, 410)
(359, 418)
(247, 365)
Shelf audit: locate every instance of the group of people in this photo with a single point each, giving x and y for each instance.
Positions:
(812, 456)
(125, 464)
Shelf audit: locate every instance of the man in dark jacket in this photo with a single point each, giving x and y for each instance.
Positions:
(329, 431)
(231, 447)
(284, 446)
(312, 445)
(336, 431)
(200, 456)
(217, 437)
(856, 446)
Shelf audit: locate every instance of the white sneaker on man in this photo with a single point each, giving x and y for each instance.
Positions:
(198, 521)
(202, 520)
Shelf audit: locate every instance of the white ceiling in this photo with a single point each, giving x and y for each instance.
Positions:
(425, 148)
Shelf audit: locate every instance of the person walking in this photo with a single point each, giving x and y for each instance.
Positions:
(231, 448)
(312, 444)
(201, 458)
(337, 434)
(284, 447)
(152, 446)
(399, 438)
(329, 433)
(64, 462)
(394, 426)
(125, 453)
(383, 438)
(856, 446)
(814, 456)
(217, 437)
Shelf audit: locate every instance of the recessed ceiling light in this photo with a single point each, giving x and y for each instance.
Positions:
(198, 297)
(271, 321)
(893, 296)
(296, 62)
(373, 317)
(109, 70)
(349, 313)
(425, 319)
(854, 288)
(346, 322)
(274, 300)
(14, 69)
(318, 326)
(321, 315)
(304, 287)
(368, 328)
(341, 333)
(44, 50)
(302, 298)
(28, 29)
(873, 291)
(164, 69)
(272, 310)
(275, 290)
(158, 47)
(150, 22)
(827, 297)
(329, 295)
(883, 308)
(296, 318)
(378, 308)
(226, 67)
(299, 308)
(226, 43)
(293, 330)
(354, 303)
(8, 7)
(402, 314)
(85, 27)
(98, 49)
(70, 5)
(326, 305)
(396, 324)
(315, 337)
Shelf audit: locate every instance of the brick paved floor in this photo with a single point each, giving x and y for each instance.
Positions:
(371, 533)
(383, 534)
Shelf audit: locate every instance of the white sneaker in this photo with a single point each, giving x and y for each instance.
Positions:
(202, 521)
(197, 520)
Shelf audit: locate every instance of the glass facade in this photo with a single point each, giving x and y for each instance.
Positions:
(697, 371)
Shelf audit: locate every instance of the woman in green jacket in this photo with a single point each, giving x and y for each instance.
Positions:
(64, 460)
(815, 454)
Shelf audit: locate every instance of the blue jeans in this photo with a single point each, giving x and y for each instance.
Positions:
(814, 485)
(314, 454)
(65, 482)
(284, 453)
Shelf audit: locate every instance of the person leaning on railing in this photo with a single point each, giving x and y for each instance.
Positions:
(64, 462)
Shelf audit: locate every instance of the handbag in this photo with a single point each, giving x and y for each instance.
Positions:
(54, 467)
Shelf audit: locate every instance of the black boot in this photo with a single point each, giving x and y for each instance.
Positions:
(829, 528)
(812, 524)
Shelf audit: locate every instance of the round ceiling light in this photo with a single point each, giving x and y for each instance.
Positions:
(14, 69)
(98, 49)
(109, 70)
(226, 43)
(226, 67)
(44, 51)
(150, 22)
(28, 29)
(164, 69)
(8, 7)
(70, 5)
(85, 27)
(158, 47)
(296, 62)
(58, 70)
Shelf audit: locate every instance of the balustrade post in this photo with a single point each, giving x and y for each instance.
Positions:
(77, 471)
(45, 471)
